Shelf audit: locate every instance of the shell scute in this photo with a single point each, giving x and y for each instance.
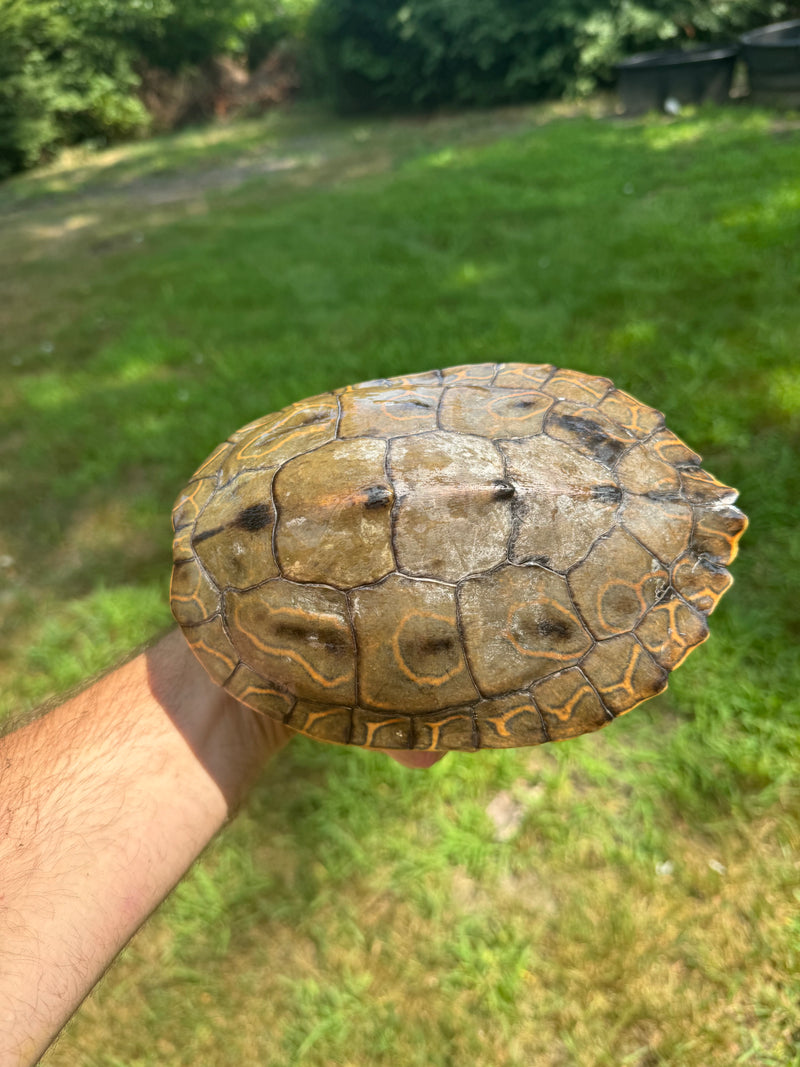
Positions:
(637, 418)
(296, 635)
(444, 484)
(193, 595)
(488, 555)
(643, 472)
(566, 501)
(411, 657)
(334, 508)
(233, 535)
(589, 432)
(389, 412)
(494, 412)
(569, 705)
(510, 721)
(664, 527)
(616, 583)
(519, 624)
(623, 673)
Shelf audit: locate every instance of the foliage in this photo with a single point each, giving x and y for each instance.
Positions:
(424, 53)
(66, 75)
(192, 32)
(69, 69)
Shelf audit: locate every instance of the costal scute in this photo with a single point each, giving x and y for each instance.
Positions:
(486, 556)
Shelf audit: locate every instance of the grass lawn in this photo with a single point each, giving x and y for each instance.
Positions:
(638, 906)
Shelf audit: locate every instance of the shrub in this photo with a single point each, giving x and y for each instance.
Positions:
(70, 69)
(424, 53)
(63, 78)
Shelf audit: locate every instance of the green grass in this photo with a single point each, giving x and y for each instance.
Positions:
(643, 910)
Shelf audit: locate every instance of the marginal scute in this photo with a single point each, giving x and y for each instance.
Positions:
(700, 487)
(191, 502)
(700, 581)
(569, 705)
(510, 721)
(373, 729)
(302, 427)
(334, 515)
(210, 643)
(519, 624)
(483, 556)
(470, 373)
(579, 388)
(212, 464)
(331, 722)
(717, 532)
(450, 730)
(670, 630)
(637, 418)
(670, 449)
(523, 375)
(267, 698)
(193, 596)
(623, 673)
(182, 550)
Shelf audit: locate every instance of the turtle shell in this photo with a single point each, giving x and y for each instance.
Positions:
(486, 556)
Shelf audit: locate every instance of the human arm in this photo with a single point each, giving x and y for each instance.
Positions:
(105, 802)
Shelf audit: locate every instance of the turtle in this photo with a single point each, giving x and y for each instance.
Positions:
(491, 555)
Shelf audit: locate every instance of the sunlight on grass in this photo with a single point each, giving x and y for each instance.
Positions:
(471, 273)
(75, 644)
(697, 123)
(784, 390)
(777, 204)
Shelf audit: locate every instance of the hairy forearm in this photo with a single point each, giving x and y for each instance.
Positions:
(104, 804)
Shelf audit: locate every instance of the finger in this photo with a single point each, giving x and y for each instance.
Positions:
(416, 760)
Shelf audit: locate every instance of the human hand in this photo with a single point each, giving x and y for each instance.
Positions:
(417, 760)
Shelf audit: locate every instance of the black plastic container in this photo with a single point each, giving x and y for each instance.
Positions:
(772, 55)
(645, 82)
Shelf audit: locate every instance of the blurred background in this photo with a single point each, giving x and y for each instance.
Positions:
(212, 210)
